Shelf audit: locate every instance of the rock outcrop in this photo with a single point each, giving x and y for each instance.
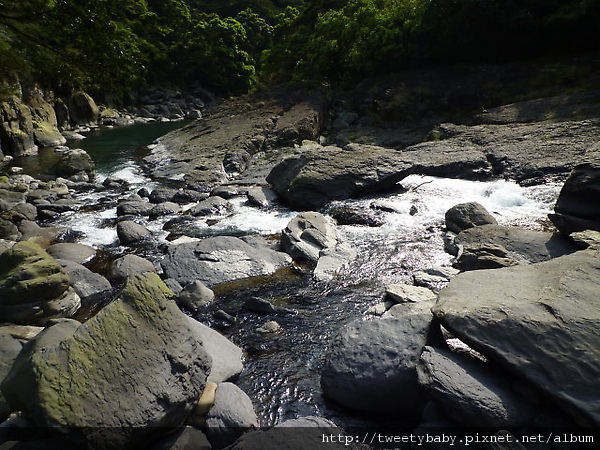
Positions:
(540, 321)
(118, 378)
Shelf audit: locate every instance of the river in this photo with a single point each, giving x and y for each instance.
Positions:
(282, 370)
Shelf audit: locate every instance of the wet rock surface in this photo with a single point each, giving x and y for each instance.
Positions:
(525, 317)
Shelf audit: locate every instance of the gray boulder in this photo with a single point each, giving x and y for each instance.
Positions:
(310, 239)
(316, 175)
(119, 379)
(164, 209)
(73, 162)
(195, 295)
(226, 356)
(130, 232)
(83, 110)
(509, 243)
(260, 197)
(434, 278)
(9, 230)
(472, 393)
(407, 293)
(467, 215)
(129, 265)
(370, 366)
(231, 416)
(33, 286)
(212, 206)
(220, 259)
(483, 256)
(578, 204)
(87, 285)
(78, 253)
(540, 321)
(134, 208)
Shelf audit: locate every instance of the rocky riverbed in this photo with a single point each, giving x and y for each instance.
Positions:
(117, 346)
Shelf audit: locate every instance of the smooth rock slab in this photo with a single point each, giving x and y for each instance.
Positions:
(471, 392)
(371, 365)
(221, 259)
(541, 321)
(134, 366)
(523, 246)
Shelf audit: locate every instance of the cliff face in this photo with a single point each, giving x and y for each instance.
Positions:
(36, 120)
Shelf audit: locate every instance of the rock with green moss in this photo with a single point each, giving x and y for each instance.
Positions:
(33, 286)
(45, 124)
(116, 380)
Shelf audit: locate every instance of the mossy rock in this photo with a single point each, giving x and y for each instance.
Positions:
(29, 279)
(113, 380)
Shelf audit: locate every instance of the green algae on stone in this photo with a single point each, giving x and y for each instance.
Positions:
(29, 279)
(134, 366)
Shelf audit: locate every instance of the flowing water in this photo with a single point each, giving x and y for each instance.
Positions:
(282, 369)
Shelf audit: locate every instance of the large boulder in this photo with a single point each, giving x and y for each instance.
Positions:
(83, 110)
(33, 286)
(539, 320)
(370, 366)
(45, 124)
(472, 392)
(129, 265)
(316, 175)
(74, 162)
(578, 204)
(467, 215)
(79, 253)
(130, 232)
(117, 379)
(509, 243)
(220, 259)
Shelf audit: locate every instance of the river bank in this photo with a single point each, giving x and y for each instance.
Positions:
(332, 308)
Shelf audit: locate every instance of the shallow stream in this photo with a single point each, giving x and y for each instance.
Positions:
(282, 369)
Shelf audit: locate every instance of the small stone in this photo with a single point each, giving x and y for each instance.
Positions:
(269, 327)
(402, 293)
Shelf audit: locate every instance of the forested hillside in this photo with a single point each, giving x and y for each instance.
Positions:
(231, 45)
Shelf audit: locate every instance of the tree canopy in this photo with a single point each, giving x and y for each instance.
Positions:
(230, 45)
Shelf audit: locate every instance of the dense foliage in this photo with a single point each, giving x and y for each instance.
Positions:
(118, 44)
(228, 45)
(337, 40)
